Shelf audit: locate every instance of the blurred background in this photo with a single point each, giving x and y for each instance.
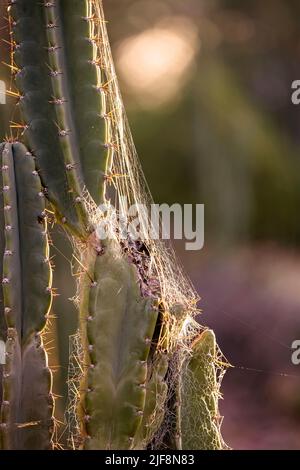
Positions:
(207, 86)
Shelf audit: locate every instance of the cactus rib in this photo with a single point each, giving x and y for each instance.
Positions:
(3, 327)
(156, 395)
(62, 105)
(88, 92)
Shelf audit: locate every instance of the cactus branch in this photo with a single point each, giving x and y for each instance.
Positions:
(35, 82)
(62, 102)
(199, 397)
(117, 328)
(26, 411)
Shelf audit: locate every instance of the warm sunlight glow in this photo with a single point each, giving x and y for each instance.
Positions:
(154, 63)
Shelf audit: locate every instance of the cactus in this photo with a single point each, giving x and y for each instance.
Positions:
(26, 304)
(199, 396)
(115, 384)
(138, 356)
(62, 120)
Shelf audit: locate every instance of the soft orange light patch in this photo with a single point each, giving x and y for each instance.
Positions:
(154, 63)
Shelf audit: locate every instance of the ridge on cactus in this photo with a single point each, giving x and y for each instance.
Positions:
(147, 367)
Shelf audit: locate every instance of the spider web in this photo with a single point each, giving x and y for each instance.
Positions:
(126, 186)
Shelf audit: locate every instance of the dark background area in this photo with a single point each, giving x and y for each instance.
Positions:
(207, 86)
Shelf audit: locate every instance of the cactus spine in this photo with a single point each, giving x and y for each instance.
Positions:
(130, 337)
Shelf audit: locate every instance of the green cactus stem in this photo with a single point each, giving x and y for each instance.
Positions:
(199, 397)
(3, 327)
(26, 411)
(117, 326)
(59, 78)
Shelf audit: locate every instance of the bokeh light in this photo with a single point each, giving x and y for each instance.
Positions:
(154, 64)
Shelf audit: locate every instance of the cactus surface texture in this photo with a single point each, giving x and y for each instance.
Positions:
(148, 373)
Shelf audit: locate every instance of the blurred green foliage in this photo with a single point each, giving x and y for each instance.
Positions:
(230, 140)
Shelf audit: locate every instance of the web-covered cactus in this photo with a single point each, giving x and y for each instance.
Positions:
(199, 394)
(118, 327)
(144, 378)
(26, 410)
